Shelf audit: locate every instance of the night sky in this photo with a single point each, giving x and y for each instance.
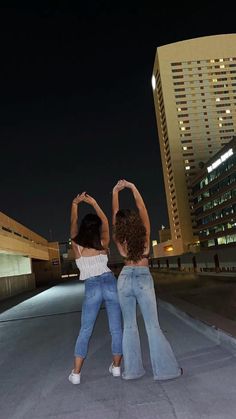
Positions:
(77, 109)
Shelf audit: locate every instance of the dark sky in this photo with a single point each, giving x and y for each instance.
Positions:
(76, 102)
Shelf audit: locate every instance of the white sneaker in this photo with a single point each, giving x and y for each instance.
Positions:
(74, 378)
(115, 371)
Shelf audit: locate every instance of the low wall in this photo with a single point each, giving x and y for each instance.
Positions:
(159, 274)
(13, 285)
(210, 260)
(46, 272)
(171, 274)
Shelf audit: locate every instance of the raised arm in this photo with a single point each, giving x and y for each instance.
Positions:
(105, 235)
(140, 205)
(74, 215)
(115, 201)
(74, 221)
(115, 204)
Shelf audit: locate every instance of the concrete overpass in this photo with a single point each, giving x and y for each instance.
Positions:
(26, 258)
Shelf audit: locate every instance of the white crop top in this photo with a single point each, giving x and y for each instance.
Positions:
(92, 265)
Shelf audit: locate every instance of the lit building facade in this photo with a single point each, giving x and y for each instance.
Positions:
(214, 199)
(194, 86)
(26, 258)
(164, 235)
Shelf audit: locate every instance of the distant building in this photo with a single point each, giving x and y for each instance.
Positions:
(26, 258)
(164, 235)
(214, 199)
(194, 86)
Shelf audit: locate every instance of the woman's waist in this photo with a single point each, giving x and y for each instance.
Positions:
(136, 268)
(86, 271)
(99, 278)
(98, 268)
(142, 262)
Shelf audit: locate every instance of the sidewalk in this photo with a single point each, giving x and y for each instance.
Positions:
(36, 343)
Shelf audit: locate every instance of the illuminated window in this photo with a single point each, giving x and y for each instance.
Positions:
(220, 125)
(223, 157)
(185, 148)
(181, 122)
(212, 61)
(179, 109)
(227, 111)
(221, 240)
(186, 161)
(168, 248)
(182, 128)
(221, 60)
(222, 66)
(214, 80)
(187, 167)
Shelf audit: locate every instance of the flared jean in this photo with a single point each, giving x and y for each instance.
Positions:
(135, 285)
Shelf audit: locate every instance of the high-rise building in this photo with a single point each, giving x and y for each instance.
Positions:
(214, 199)
(194, 85)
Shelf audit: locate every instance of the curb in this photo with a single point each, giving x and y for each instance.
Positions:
(219, 336)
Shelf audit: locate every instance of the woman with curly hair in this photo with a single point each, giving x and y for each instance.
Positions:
(131, 232)
(90, 244)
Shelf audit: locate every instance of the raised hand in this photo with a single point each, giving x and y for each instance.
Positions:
(119, 186)
(79, 198)
(128, 184)
(90, 200)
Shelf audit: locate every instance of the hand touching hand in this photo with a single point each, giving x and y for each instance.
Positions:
(128, 184)
(90, 200)
(119, 186)
(123, 184)
(79, 198)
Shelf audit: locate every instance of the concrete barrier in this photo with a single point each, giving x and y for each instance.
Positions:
(158, 274)
(202, 324)
(13, 285)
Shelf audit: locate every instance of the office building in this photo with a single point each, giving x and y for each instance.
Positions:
(194, 86)
(214, 199)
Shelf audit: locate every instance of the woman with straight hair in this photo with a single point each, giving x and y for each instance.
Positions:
(131, 231)
(90, 244)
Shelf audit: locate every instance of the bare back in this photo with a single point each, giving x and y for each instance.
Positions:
(142, 262)
(86, 252)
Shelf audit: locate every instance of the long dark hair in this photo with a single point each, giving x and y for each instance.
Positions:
(89, 232)
(129, 230)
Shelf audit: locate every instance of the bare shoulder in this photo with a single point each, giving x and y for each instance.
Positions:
(76, 249)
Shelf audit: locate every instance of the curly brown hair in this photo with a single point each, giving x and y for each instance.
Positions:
(129, 230)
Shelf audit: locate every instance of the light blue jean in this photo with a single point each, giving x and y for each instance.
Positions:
(98, 289)
(135, 285)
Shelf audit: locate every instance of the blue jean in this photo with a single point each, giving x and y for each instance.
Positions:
(98, 289)
(135, 285)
